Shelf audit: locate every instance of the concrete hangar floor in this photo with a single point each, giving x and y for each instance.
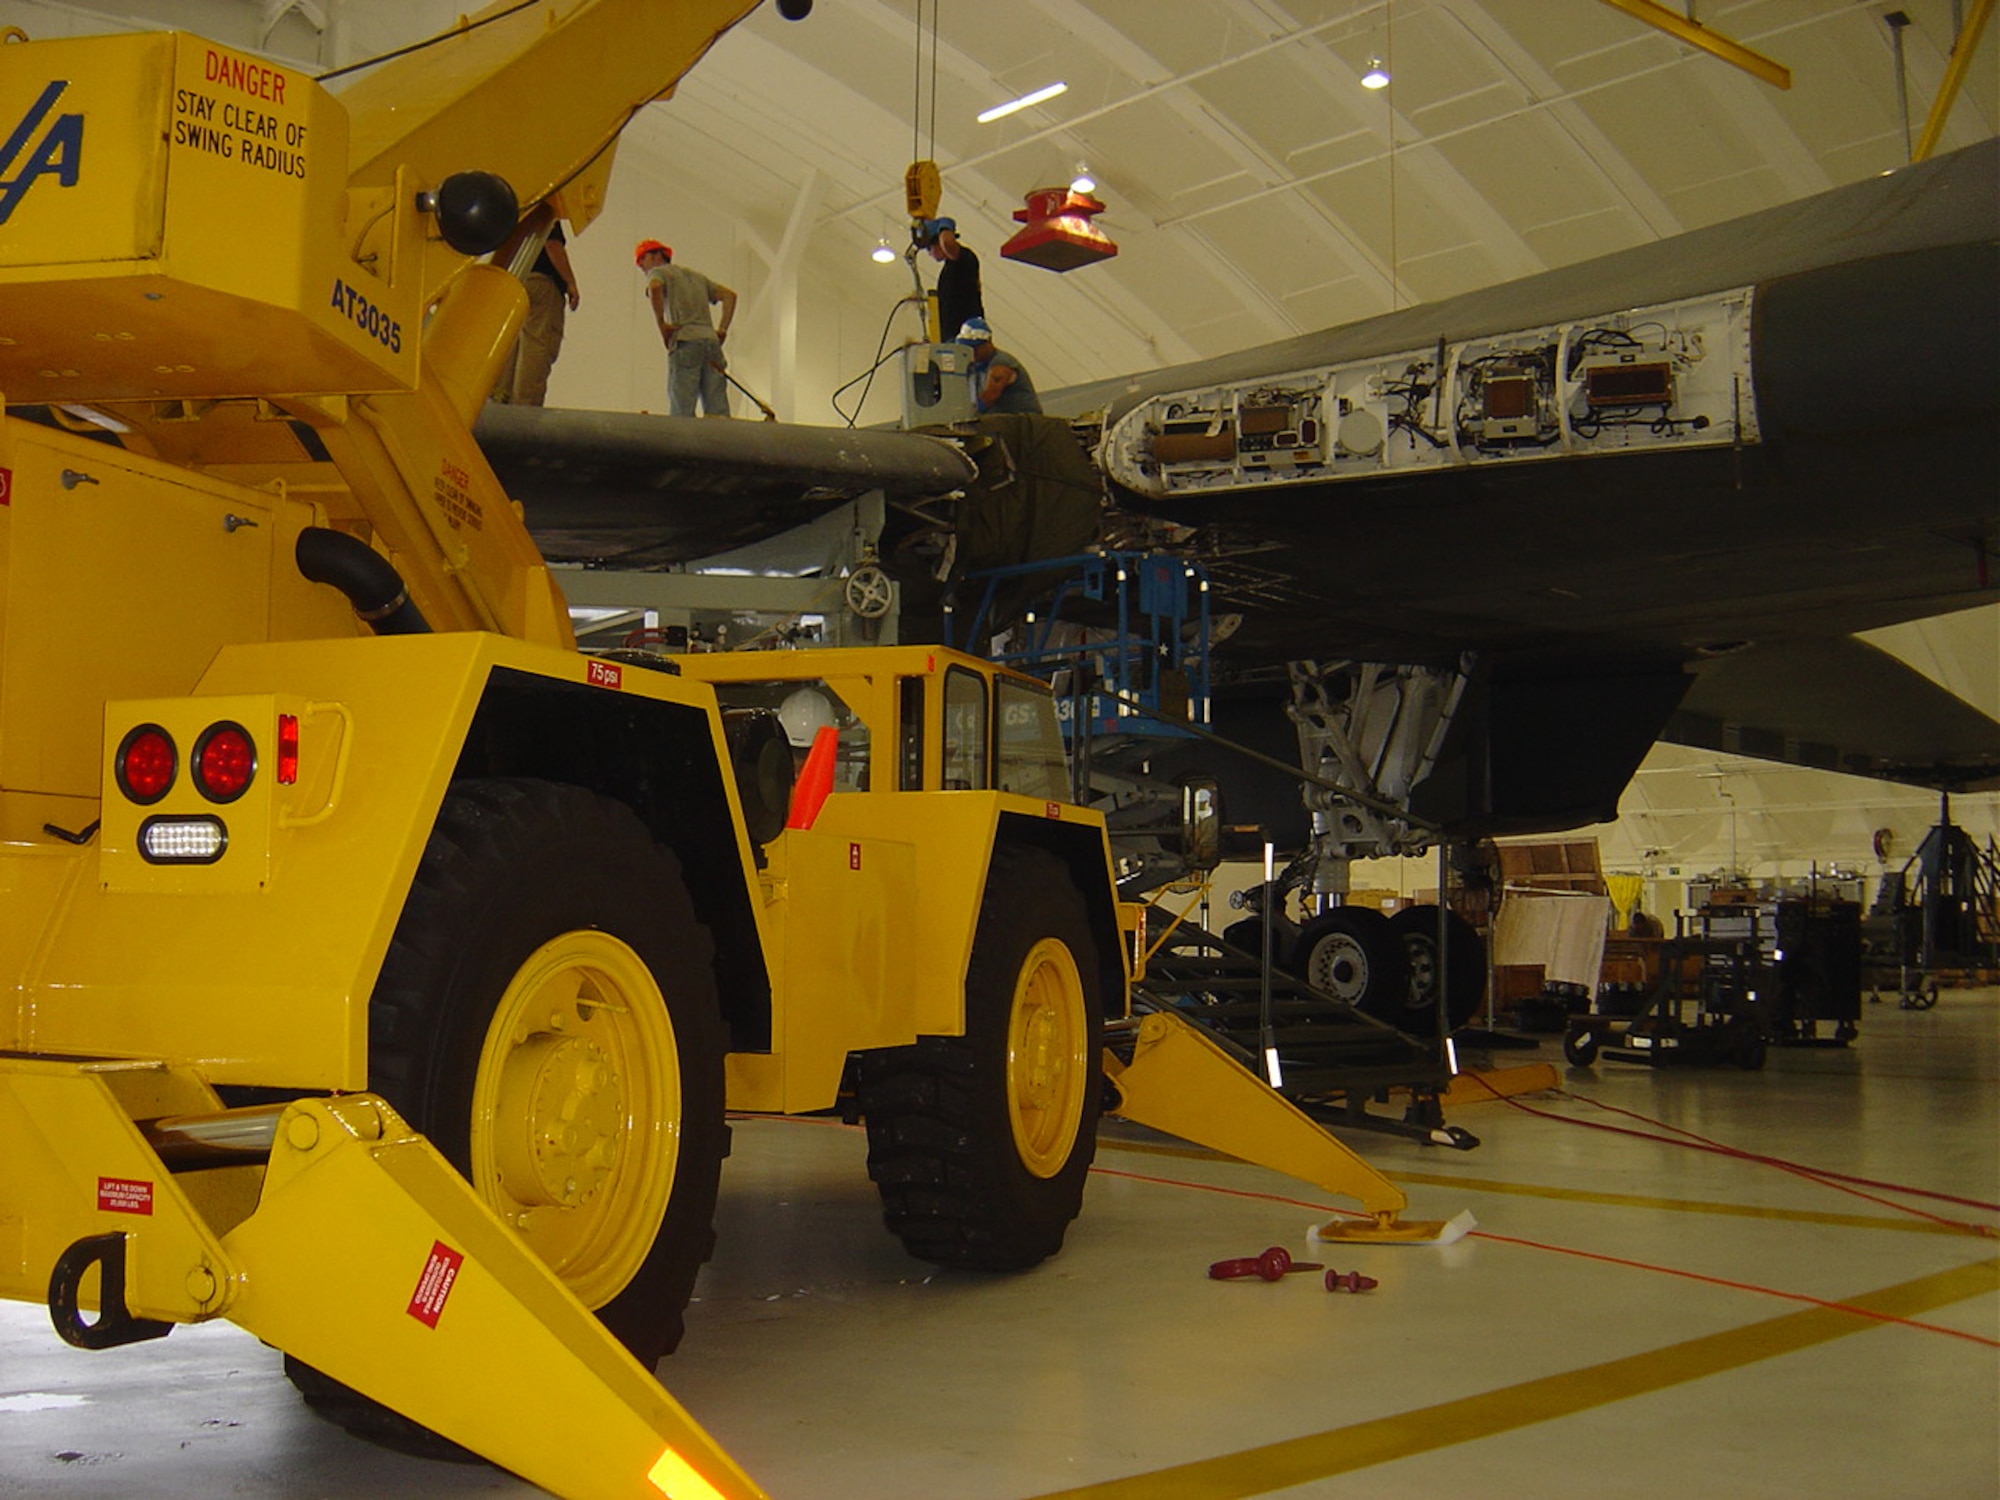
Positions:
(1635, 1317)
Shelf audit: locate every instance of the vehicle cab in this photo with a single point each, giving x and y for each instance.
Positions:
(907, 718)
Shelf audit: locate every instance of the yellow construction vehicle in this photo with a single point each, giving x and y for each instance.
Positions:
(378, 969)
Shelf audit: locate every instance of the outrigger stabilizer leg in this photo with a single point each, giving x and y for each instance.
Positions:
(1183, 1083)
(355, 1247)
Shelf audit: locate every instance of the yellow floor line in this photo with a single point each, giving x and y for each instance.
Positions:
(1580, 1195)
(1321, 1455)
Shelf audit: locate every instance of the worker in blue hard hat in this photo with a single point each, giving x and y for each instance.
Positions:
(1000, 382)
(958, 294)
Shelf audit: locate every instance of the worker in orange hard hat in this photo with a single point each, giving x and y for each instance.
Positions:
(681, 297)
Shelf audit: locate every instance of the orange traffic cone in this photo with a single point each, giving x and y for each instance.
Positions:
(815, 781)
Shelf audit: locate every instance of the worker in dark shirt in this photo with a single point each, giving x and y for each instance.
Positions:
(551, 287)
(1000, 382)
(958, 294)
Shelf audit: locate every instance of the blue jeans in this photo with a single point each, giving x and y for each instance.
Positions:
(694, 368)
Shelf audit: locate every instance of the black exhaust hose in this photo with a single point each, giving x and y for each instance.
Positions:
(370, 580)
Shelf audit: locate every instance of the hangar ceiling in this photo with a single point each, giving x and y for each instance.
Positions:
(1255, 188)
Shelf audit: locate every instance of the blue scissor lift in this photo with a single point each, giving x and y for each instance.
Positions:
(1124, 637)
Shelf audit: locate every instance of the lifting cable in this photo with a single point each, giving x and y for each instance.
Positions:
(883, 354)
(464, 26)
(917, 153)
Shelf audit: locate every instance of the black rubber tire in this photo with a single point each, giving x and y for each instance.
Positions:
(1414, 1010)
(1352, 954)
(942, 1151)
(1580, 1048)
(513, 865)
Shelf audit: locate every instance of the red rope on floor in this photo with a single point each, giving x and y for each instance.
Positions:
(1207, 1187)
(1889, 1187)
(1742, 1286)
(1837, 1181)
(1615, 1260)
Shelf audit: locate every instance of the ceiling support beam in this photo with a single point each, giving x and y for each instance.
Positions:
(1691, 31)
(784, 263)
(1962, 48)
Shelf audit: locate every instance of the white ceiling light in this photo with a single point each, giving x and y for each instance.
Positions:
(882, 254)
(1377, 76)
(1083, 182)
(999, 110)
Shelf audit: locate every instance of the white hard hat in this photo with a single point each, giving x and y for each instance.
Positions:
(804, 713)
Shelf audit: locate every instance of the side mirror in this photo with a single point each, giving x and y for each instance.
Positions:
(761, 757)
(1201, 823)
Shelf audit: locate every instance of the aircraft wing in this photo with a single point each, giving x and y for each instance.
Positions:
(1839, 704)
(640, 491)
(1783, 426)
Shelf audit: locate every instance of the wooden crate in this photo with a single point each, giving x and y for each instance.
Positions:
(1553, 865)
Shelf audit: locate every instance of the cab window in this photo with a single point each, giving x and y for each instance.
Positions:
(964, 731)
(1028, 744)
(804, 708)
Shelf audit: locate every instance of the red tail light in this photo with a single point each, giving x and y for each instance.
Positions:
(225, 761)
(288, 749)
(146, 764)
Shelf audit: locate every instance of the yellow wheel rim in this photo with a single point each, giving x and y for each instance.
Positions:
(1047, 1058)
(576, 1111)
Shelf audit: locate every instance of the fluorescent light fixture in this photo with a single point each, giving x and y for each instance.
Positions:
(1273, 1069)
(882, 254)
(1377, 76)
(1000, 110)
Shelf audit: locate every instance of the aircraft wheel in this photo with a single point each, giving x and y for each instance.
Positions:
(1580, 1048)
(1351, 954)
(1465, 985)
(547, 1016)
(980, 1144)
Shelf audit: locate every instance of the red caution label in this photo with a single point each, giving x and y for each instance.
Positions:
(604, 674)
(434, 1286)
(853, 856)
(1052, 809)
(124, 1195)
(6, 486)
